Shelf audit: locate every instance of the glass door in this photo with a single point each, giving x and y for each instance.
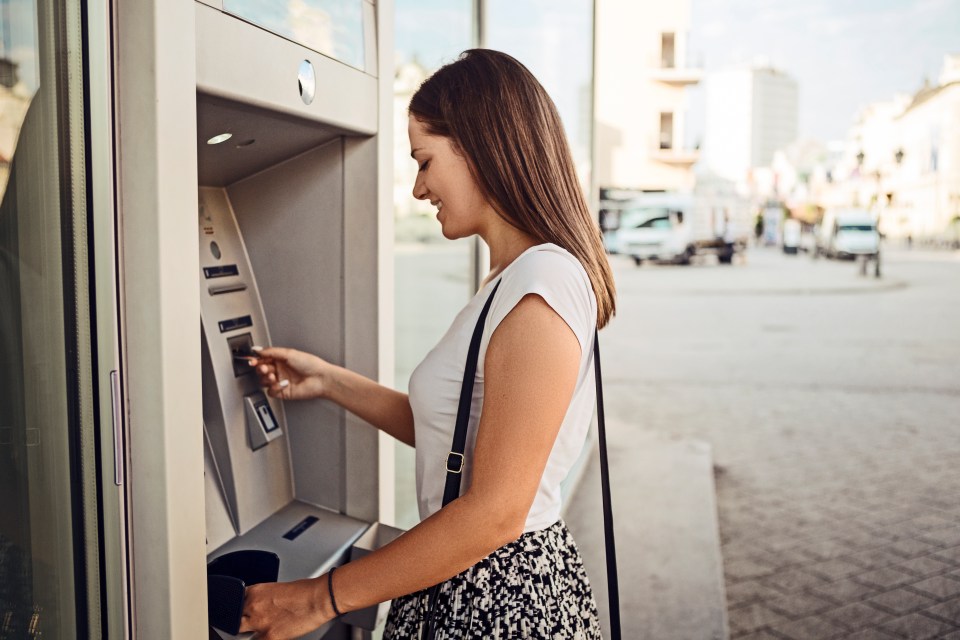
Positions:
(50, 549)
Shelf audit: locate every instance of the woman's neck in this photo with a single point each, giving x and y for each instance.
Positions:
(506, 243)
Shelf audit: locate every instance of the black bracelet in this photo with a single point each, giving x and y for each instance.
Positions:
(333, 600)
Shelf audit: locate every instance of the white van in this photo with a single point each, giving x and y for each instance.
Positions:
(847, 234)
(676, 227)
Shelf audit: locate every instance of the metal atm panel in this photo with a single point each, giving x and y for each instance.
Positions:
(287, 221)
(256, 472)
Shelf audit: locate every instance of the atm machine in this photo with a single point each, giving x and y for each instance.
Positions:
(287, 151)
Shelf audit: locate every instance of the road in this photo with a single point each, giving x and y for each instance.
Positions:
(832, 404)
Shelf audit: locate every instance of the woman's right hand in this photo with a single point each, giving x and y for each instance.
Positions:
(290, 374)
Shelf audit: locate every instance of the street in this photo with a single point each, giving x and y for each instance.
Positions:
(831, 403)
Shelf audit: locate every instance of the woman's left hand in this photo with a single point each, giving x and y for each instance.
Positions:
(282, 610)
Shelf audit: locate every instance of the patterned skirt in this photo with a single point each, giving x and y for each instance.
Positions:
(534, 587)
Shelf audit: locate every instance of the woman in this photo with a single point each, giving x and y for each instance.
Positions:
(494, 161)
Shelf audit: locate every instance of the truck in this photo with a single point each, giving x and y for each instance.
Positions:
(678, 228)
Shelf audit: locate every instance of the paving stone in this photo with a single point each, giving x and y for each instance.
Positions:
(792, 581)
(812, 628)
(746, 569)
(763, 634)
(858, 615)
(911, 548)
(825, 550)
(875, 558)
(946, 537)
(741, 593)
(834, 569)
(753, 617)
(845, 591)
(950, 554)
(948, 611)
(925, 566)
(900, 602)
(800, 605)
(917, 626)
(939, 587)
(871, 633)
(932, 521)
(886, 578)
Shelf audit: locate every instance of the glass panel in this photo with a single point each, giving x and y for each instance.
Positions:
(432, 273)
(555, 41)
(331, 27)
(42, 555)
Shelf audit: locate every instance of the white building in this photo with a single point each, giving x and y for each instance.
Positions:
(642, 70)
(751, 112)
(902, 159)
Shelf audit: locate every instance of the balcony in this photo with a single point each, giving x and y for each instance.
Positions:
(671, 68)
(679, 76)
(676, 157)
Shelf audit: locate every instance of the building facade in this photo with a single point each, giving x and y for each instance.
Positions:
(643, 68)
(902, 160)
(751, 112)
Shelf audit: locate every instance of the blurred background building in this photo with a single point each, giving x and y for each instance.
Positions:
(643, 69)
(751, 112)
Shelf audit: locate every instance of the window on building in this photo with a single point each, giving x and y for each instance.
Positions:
(666, 130)
(667, 52)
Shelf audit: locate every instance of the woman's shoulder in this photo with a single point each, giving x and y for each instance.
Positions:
(547, 263)
(553, 273)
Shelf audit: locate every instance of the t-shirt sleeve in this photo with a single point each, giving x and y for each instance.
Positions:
(560, 280)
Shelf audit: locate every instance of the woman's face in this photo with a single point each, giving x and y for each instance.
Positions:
(445, 180)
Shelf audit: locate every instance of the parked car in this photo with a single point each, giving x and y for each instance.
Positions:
(792, 230)
(847, 234)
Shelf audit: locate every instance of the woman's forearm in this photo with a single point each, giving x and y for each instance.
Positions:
(385, 408)
(445, 544)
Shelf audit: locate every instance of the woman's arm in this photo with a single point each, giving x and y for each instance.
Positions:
(385, 408)
(530, 372)
(290, 374)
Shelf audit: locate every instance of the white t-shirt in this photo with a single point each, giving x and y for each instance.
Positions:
(558, 277)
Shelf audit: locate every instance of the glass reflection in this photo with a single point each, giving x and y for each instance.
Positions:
(432, 274)
(331, 27)
(37, 593)
(555, 41)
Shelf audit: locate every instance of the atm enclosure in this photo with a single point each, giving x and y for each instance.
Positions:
(278, 235)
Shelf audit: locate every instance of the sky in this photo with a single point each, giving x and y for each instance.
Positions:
(844, 54)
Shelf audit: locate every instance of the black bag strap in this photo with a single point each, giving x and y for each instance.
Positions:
(613, 588)
(451, 489)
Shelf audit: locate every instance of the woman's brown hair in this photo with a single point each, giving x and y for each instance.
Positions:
(500, 118)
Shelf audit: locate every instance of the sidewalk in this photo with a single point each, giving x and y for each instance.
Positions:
(667, 540)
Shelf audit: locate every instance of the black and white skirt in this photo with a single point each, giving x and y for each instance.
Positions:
(534, 587)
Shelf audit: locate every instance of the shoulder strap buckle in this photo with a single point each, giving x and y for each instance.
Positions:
(454, 465)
